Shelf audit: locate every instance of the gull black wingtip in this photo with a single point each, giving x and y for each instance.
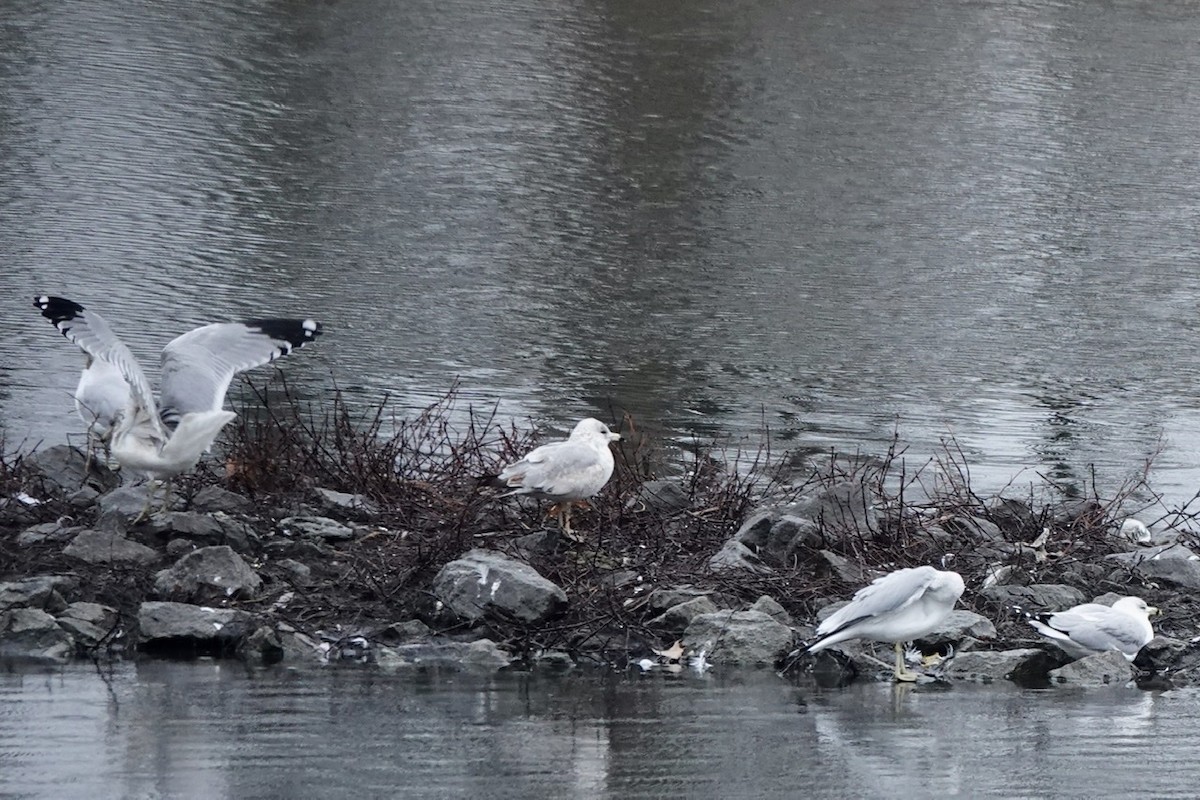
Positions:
(57, 309)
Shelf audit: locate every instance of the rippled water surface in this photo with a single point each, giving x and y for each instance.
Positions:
(212, 730)
(973, 221)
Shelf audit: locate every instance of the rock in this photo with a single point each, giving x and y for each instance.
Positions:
(264, 645)
(89, 624)
(47, 532)
(120, 506)
(1015, 517)
(767, 605)
(773, 537)
(848, 571)
(974, 529)
(322, 528)
(41, 591)
(60, 469)
(214, 498)
(538, 543)
(1102, 669)
(1160, 654)
(404, 632)
(210, 574)
(299, 574)
(846, 507)
(662, 497)
(735, 555)
(180, 627)
(738, 637)
(32, 634)
(988, 666)
(959, 625)
(101, 547)
(660, 600)
(1036, 597)
(188, 525)
(357, 504)
(484, 583)
(483, 654)
(83, 497)
(676, 618)
(1172, 563)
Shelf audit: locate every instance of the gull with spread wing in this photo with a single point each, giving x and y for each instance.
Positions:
(166, 439)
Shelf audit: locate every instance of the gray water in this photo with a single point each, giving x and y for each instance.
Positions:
(972, 222)
(212, 730)
(829, 222)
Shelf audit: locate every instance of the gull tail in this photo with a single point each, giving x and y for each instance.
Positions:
(194, 435)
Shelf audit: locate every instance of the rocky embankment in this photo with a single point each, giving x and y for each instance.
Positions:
(315, 582)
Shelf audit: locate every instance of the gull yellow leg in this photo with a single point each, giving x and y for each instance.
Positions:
(902, 671)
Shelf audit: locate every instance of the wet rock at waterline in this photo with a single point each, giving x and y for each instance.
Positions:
(1102, 669)
(187, 629)
(484, 583)
(739, 637)
(33, 635)
(210, 574)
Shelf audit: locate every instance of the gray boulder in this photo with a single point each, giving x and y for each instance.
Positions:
(675, 619)
(60, 469)
(120, 506)
(987, 666)
(210, 574)
(359, 505)
(1102, 669)
(662, 497)
(484, 583)
(214, 498)
(959, 625)
(88, 623)
(1038, 597)
(40, 591)
(102, 547)
(739, 637)
(321, 528)
(767, 605)
(662, 599)
(736, 555)
(770, 536)
(163, 625)
(1172, 563)
(53, 532)
(30, 634)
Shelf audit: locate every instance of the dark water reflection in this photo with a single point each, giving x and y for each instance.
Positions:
(973, 221)
(212, 730)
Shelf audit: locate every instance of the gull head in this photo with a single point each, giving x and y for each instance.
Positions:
(593, 428)
(1136, 606)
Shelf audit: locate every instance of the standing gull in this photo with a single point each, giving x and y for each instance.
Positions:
(565, 472)
(1092, 628)
(900, 606)
(197, 368)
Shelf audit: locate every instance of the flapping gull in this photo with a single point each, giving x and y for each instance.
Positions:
(900, 606)
(1095, 628)
(565, 472)
(197, 368)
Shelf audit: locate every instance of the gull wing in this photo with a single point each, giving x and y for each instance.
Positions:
(885, 595)
(559, 469)
(92, 334)
(198, 366)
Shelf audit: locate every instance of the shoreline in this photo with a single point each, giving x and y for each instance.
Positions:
(324, 541)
